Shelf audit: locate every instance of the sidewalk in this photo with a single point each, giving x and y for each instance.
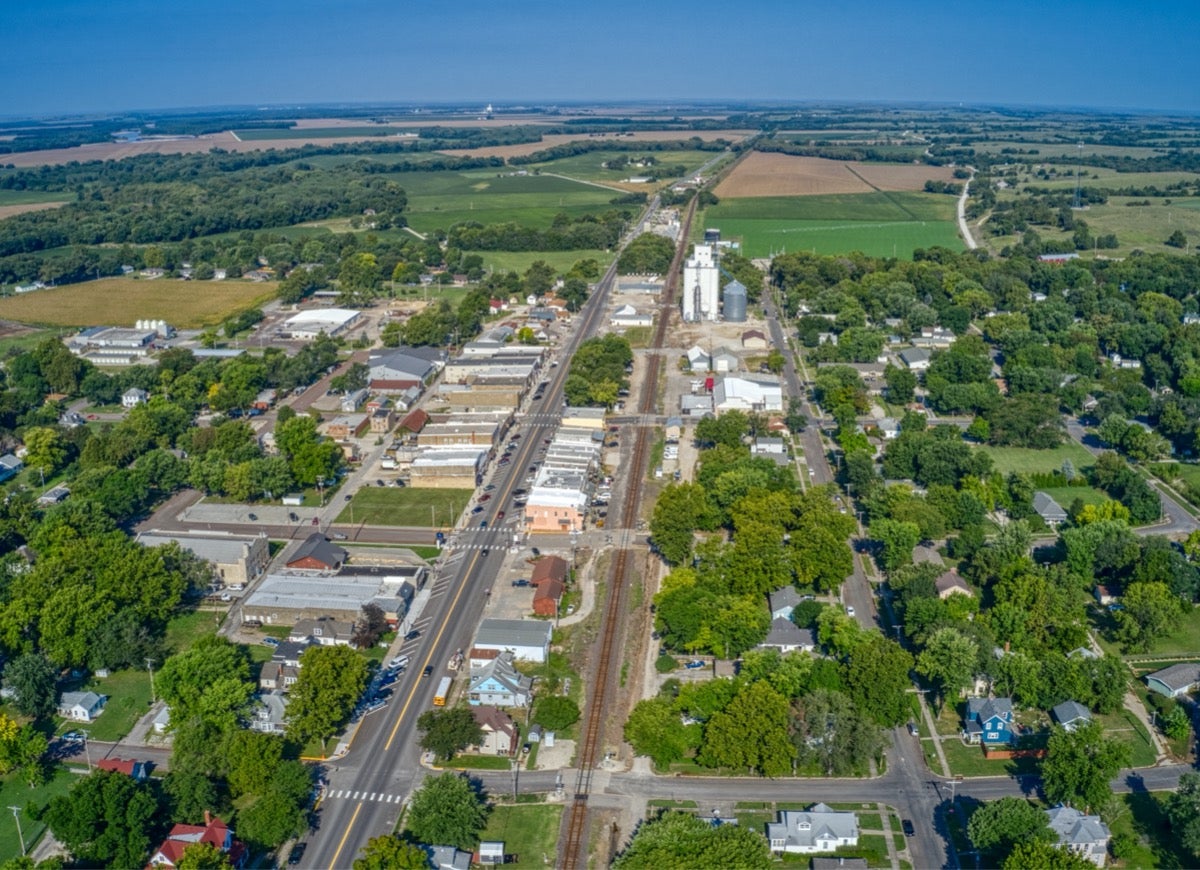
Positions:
(927, 715)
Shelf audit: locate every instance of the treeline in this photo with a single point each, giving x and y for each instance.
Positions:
(649, 253)
(574, 149)
(835, 152)
(586, 232)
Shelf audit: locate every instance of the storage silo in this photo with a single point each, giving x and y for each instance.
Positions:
(734, 299)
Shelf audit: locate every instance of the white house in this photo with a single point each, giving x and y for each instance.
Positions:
(916, 358)
(133, 397)
(1086, 836)
(817, 829)
(787, 637)
(81, 706)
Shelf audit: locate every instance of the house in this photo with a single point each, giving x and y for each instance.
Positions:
(318, 554)
(324, 630)
(1086, 836)
(1048, 509)
(889, 428)
(817, 829)
(527, 639)
(547, 596)
(133, 397)
(448, 858)
(783, 601)
(499, 731)
(1176, 680)
(989, 721)
(549, 567)
(1071, 714)
(139, 771)
(269, 713)
(500, 684)
(673, 430)
(81, 706)
(787, 637)
(753, 339)
(278, 676)
(53, 495)
(9, 466)
(950, 583)
(915, 358)
(1106, 595)
(213, 831)
(353, 400)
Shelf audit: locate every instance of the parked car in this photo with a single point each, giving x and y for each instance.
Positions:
(912, 729)
(849, 610)
(521, 581)
(692, 665)
(74, 737)
(271, 641)
(907, 825)
(253, 517)
(413, 635)
(489, 487)
(399, 662)
(485, 497)
(297, 853)
(338, 536)
(478, 509)
(377, 704)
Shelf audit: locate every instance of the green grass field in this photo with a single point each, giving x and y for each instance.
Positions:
(128, 700)
(1125, 726)
(589, 167)
(1028, 460)
(880, 224)
(560, 261)
(407, 506)
(15, 793)
(529, 832)
(1065, 495)
(25, 197)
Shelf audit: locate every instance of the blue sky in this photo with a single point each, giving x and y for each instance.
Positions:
(101, 55)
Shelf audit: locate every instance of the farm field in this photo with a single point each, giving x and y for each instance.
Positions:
(519, 261)
(407, 506)
(14, 202)
(1029, 461)
(1098, 176)
(121, 301)
(1049, 150)
(762, 174)
(589, 167)
(553, 139)
(336, 132)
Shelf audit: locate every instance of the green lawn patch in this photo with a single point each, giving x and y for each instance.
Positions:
(128, 695)
(1125, 726)
(754, 819)
(970, 761)
(1029, 461)
(15, 793)
(27, 197)
(672, 805)
(187, 627)
(1183, 641)
(520, 261)
(1066, 495)
(478, 762)
(1147, 821)
(529, 833)
(406, 506)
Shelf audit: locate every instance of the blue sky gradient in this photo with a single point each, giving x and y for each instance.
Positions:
(61, 56)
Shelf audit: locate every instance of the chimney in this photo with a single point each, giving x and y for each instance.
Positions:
(207, 818)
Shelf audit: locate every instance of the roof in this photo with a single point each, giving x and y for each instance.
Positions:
(1073, 827)
(320, 316)
(87, 700)
(986, 708)
(1047, 507)
(753, 333)
(493, 719)
(911, 355)
(950, 581)
(1177, 677)
(785, 597)
(838, 863)
(501, 670)
(549, 588)
(316, 547)
(818, 822)
(222, 549)
(784, 632)
(414, 420)
(549, 567)
(513, 633)
(1071, 711)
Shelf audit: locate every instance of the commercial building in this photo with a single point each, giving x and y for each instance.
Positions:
(317, 554)
(307, 325)
(237, 559)
(285, 599)
(398, 369)
(448, 467)
(701, 286)
(747, 394)
(527, 639)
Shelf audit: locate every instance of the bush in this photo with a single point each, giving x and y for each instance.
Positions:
(665, 664)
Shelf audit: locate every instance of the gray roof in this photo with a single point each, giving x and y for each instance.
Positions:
(784, 597)
(513, 633)
(1071, 711)
(223, 549)
(912, 355)
(448, 858)
(1047, 507)
(1074, 828)
(986, 708)
(784, 632)
(87, 700)
(1177, 677)
(819, 822)
(316, 547)
(501, 670)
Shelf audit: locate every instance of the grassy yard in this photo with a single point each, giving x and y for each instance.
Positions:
(406, 506)
(15, 793)
(1145, 819)
(186, 628)
(1066, 495)
(128, 700)
(1029, 461)
(1183, 641)
(970, 761)
(529, 833)
(478, 762)
(1125, 726)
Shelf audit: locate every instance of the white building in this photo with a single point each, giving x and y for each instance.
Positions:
(133, 397)
(817, 829)
(627, 315)
(307, 325)
(747, 394)
(527, 639)
(701, 286)
(1086, 836)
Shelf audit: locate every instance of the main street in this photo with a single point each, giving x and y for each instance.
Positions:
(382, 764)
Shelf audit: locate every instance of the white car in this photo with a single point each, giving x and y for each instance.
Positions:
(399, 662)
(849, 610)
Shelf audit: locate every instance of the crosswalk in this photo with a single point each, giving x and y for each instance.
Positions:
(351, 795)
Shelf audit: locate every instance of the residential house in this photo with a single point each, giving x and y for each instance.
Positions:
(9, 466)
(950, 583)
(500, 684)
(448, 858)
(138, 771)
(817, 829)
(915, 358)
(1106, 595)
(889, 428)
(753, 339)
(277, 676)
(53, 495)
(353, 400)
(989, 721)
(547, 596)
(1048, 509)
(783, 601)
(1086, 836)
(133, 397)
(673, 430)
(499, 730)
(324, 630)
(213, 831)
(81, 706)
(317, 554)
(787, 637)
(269, 713)
(1175, 681)
(1071, 714)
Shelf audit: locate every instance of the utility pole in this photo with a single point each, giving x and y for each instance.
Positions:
(150, 668)
(87, 752)
(16, 811)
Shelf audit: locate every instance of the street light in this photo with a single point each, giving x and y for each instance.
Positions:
(16, 811)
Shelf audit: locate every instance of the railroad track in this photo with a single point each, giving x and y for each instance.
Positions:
(573, 853)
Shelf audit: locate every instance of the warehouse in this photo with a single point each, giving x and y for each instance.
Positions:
(284, 599)
(307, 325)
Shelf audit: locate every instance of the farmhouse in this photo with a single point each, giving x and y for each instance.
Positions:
(307, 325)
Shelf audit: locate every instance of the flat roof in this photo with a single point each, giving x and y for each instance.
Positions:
(513, 632)
(224, 549)
(318, 316)
(341, 593)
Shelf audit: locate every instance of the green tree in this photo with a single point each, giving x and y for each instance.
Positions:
(447, 732)
(999, 825)
(751, 733)
(1080, 764)
(330, 682)
(203, 856)
(209, 681)
(1183, 809)
(389, 852)
(556, 712)
(105, 819)
(34, 681)
(877, 676)
(1177, 239)
(46, 449)
(681, 509)
(898, 539)
(654, 728)
(1150, 611)
(447, 810)
(189, 794)
(1044, 856)
(949, 661)
(676, 839)
(252, 759)
(901, 384)
(271, 819)
(831, 736)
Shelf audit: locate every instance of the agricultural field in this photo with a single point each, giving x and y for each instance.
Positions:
(773, 175)
(14, 202)
(121, 301)
(876, 223)
(553, 139)
(589, 167)
(336, 132)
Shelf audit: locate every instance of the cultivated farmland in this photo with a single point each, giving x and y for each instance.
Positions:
(762, 174)
(121, 301)
(552, 139)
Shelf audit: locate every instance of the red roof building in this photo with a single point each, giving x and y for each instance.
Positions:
(547, 596)
(549, 568)
(213, 831)
(414, 421)
(138, 770)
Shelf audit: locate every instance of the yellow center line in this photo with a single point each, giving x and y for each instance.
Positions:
(342, 843)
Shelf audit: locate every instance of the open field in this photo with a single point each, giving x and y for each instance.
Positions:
(1050, 150)
(121, 301)
(271, 134)
(872, 206)
(589, 167)
(519, 261)
(7, 211)
(1098, 176)
(1029, 461)
(529, 832)
(406, 506)
(553, 139)
(762, 174)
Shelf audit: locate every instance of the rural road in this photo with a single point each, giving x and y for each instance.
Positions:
(962, 212)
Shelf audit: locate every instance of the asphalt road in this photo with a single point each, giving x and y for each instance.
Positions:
(382, 766)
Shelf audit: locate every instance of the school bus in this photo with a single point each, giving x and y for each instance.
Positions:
(443, 689)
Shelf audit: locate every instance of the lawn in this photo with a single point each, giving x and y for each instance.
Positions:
(1065, 495)
(529, 833)
(1146, 820)
(764, 238)
(128, 700)
(406, 506)
(478, 762)
(186, 628)
(560, 261)
(121, 301)
(15, 793)
(1183, 641)
(590, 166)
(1132, 733)
(970, 761)
(1030, 461)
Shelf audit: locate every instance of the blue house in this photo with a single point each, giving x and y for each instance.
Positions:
(500, 684)
(989, 721)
